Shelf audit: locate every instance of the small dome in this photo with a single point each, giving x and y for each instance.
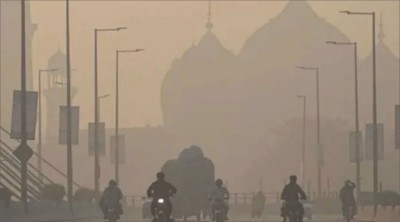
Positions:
(57, 58)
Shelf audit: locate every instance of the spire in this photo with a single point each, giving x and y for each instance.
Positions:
(209, 24)
(381, 35)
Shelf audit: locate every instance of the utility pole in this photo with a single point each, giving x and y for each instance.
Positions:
(96, 108)
(319, 147)
(69, 126)
(357, 124)
(374, 107)
(23, 151)
(117, 54)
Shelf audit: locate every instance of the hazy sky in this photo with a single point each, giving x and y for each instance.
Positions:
(165, 29)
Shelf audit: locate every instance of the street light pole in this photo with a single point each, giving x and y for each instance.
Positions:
(39, 159)
(24, 145)
(374, 106)
(319, 149)
(117, 53)
(303, 159)
(96, 107)
(1, 84)
(69, 116)
(357, 125)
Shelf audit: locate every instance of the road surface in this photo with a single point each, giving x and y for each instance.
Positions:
(266, 220)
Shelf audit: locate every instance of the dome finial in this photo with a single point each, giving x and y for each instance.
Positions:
(209, 24)
(381, 35)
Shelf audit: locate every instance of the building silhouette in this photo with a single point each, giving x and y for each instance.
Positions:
(230, 105)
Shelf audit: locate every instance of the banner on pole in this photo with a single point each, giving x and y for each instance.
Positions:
(397, 127)
(353, 148)
(121, 149)
(62, 135)
(101, 136)
(31, 114)
(369, 142)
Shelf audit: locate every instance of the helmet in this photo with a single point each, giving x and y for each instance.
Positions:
(218, 182)
(160, 176)
(112, 183)
(293, 179)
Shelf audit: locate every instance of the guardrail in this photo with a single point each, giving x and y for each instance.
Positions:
(243, 198)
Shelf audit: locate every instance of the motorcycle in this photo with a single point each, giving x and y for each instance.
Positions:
(293, 211)
(348, 213)
(219, 211)
(112, 213)
(161, 211)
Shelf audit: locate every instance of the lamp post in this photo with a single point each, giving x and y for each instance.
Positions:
(70, 180)
(96, 108)
(319, 151)
(39, 161)
(1, 88)
(374, 105)
(303, 155)
(357, 125)
(23, 151)
(117, 54)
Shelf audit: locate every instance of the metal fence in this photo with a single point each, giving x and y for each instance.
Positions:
(240, 198)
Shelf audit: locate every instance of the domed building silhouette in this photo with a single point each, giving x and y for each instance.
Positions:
(229, 104)
(197, 90)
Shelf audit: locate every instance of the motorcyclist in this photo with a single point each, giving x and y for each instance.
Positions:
(218, 196)
(161, 189)
(347, 198)
(258, 204)
(291, 194)
(112, 195)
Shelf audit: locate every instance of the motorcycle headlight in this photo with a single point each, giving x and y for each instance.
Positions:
(160, 200)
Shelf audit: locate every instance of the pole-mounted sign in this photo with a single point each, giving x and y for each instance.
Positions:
(397, 127)
(31, 114)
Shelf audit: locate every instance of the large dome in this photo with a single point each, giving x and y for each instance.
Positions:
(297, 37)
(195, 87)
(297, 33)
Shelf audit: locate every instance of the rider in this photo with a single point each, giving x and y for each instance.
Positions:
(111, 195)
(218, 196)
(258, 204)
(161, 189)
(347, 197)
(291, 194)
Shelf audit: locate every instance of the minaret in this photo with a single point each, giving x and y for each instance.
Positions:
(209, 24)
(55, 94)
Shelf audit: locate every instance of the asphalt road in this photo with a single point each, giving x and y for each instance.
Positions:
(266, 220)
